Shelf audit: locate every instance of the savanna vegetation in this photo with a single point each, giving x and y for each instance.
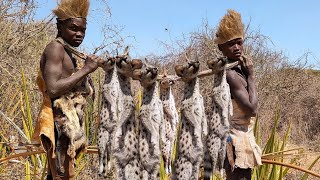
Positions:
(289, 99)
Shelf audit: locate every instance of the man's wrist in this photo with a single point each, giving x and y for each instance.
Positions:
(251, 76)
(86, 69)
(250, 72)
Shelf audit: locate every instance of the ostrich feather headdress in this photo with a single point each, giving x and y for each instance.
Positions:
(230, 27)
(72, 9)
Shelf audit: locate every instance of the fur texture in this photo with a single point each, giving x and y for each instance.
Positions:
(171, 120)
(194, 125)
(230, 27)
(219, 123)
(125, 143)
(108, 117)
(72, 9)
(72, 105)
(150, 128)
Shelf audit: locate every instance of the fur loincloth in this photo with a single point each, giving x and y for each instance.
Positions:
(71, 124)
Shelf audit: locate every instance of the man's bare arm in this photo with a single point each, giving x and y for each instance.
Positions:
(58, 85)
(246, 99)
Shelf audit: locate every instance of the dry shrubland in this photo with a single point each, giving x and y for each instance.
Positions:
(284, 86)
(22, 40)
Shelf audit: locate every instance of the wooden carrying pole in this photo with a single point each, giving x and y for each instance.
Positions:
(202, 73)
(72, 49)
(176, 78)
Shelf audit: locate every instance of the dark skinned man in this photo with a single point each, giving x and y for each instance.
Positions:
(63, 81)
(244, 154)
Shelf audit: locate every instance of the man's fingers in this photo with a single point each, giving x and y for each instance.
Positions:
(244, 59)
(247, 60)
(94, 58)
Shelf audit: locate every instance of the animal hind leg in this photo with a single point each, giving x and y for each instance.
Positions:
(155, 174)
(222, 155)
(133, 170)
(119, 170)
(195, 170)
(207, 164)
(213, 144)
(183, 169)
(103, 138)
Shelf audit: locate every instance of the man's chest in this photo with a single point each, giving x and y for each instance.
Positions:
(69, 66)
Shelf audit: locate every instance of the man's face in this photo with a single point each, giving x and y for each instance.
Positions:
(232, 49)
(73, 31)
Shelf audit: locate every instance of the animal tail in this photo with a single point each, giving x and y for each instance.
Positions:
(207, 165)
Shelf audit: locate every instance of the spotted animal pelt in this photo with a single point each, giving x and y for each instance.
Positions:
(218, 125)
(171, 120)
(151, 125)
(108, 116)
(193, 125)
(125, 143)
(72, 105)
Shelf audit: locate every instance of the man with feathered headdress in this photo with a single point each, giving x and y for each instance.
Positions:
(63, 81)
(242, 153)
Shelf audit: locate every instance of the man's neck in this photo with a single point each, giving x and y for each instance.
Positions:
(232, 60)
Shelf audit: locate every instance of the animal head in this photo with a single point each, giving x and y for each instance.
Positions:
(188, 71)
(108, 63)
(217, 65)
(166, 81)
(125, 65)
(147, 75)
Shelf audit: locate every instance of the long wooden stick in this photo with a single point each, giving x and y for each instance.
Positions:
(21, 155)
(201, 74)
(89, 151)
(266, 161)
(72, 49)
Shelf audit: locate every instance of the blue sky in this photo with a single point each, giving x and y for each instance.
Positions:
(293, 26)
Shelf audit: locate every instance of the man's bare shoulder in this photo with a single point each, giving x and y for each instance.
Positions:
(233, 79)
(232, 75)
(52, 55)
(54, 49)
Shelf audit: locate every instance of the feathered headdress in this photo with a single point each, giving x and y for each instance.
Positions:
(72, 9)
(230, 27)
